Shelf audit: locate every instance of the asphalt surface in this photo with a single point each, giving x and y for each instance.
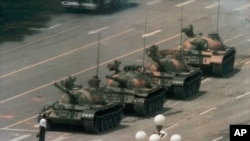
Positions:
(68, 47)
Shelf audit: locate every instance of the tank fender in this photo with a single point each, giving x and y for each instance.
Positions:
(216, 59)
(88, 115)
(178, 81)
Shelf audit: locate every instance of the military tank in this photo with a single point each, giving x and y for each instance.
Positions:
(82, 107)
(132, 87)
(181, 80)
(208, 53)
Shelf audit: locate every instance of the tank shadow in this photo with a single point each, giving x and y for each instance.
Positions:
(133, 115)
(199, 94)
(228, 75)
(172, 113)
(231, 74)
(80, 130)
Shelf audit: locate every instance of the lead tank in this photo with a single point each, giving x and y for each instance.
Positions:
(133, 88)
(208, 53)
(181, 80)
(82, 107)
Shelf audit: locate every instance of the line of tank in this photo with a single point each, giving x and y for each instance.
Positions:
(141, 90)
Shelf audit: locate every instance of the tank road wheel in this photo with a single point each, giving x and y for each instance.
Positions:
(110, 121)
(97, 124)
(181, 92)
(193, 86)
(230, 63)
(217, 70)
(198, 84)
(221, 69)
(102, 125)
(141, 106)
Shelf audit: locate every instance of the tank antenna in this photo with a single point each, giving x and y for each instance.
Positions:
(181, 24)
(98, 53)
(144, 42)
(218, 14)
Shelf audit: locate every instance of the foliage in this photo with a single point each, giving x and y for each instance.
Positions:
(17, 16)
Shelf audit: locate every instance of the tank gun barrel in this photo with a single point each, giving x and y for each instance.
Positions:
(61, 88)
(66, 91)
(154, 57)
(169, 51)
(121, 82)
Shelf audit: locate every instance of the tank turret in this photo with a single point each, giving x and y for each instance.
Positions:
(132, 87)
(172, 72)
(208, 53)
(85, 107)
(161, 61)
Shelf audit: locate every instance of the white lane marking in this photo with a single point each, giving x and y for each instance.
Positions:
(219, 138)
(171, 126)
(47, 37)
(208, 110)
(234, 37)
(60, 139)
(247, 62)
(211, 6)
(48, 28)
(153, 2)
(151, 34)
(245, 94)
(242, 7)
(185, 3)
(36, 126)
(63, 54)
(20, 137)
(205, 80)
(27, 92)
(19, 130)
(87, 69)
(19, 122)
(54, 26)
(97, 30)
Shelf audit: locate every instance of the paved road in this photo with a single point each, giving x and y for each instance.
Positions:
(68, 47)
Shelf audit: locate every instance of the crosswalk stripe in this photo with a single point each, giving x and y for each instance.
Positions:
(211, 6)
(21, 137)
(242, 7)
(185, 3)
(59, 139)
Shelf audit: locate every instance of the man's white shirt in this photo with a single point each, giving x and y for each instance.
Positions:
(42, 123)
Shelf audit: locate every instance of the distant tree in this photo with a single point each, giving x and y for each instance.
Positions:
(15, 15)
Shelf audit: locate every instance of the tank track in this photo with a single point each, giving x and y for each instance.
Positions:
(102, 120)
(149, 105)
(190, 87)
(227, 66)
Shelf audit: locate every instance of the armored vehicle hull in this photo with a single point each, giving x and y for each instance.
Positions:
(208, 53)
(93, 119)
(142, 102)
(179, 84)
(181, 80)
(218, 63)
(133, 89)
(83, 107)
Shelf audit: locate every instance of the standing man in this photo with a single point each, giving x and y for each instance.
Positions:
(42, 127)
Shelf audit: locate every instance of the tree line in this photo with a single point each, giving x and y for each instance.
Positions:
(17, 15)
